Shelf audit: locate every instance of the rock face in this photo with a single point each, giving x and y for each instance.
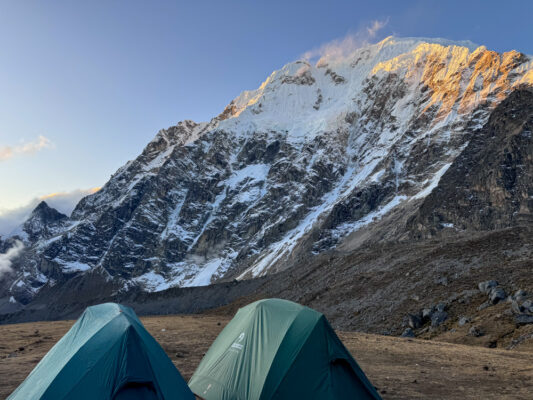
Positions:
(289, 170)
(490, 184)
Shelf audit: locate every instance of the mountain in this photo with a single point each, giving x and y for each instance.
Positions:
(42, 223)
(403, 140)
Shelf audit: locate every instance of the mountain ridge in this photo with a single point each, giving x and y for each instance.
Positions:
(316, 153)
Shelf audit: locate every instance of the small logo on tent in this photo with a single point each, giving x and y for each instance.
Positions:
(237, 343)
(208, 387)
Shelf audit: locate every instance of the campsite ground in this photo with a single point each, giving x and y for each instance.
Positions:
(400, 368)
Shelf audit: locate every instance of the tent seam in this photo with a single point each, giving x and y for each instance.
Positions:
(295, 357)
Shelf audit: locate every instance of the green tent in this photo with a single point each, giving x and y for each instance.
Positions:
(277, 349)
(107, 354)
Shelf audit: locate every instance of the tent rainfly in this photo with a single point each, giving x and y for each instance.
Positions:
(107, 354)
(277, 349)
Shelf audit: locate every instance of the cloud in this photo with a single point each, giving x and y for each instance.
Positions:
(375, 27)
(341, 48)
(7, 152)
(6, 259)
(63, 201)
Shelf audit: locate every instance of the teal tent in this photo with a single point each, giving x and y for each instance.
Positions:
(107, 354)
(277, 349)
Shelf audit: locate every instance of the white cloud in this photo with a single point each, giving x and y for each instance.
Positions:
(340, 48)
(375, 27)
(6, 259)
(7, 152)
(64, 202)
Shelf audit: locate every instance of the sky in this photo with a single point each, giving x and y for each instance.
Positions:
(85, 85)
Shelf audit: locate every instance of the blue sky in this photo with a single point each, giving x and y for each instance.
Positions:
(85, 85)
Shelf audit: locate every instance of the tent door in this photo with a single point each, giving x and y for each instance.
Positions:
(345, 383)
(137, 391)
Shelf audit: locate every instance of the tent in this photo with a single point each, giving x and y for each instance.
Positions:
(107, 354)
(277, 349)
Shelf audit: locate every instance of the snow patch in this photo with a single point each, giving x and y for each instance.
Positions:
(152, 281)
(374, 216)
(254, 172)
(205, 274)
(73, 266)
(433, 182)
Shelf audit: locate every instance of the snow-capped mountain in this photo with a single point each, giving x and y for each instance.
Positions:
(285, 172)
(42, 223)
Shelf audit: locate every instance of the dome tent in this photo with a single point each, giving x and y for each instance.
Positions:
(277, 349)
(107, 354)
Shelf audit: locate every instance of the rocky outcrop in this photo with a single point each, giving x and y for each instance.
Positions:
(490, 184)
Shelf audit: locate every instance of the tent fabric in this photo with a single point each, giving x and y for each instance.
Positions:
(277, 349)
(107, 354)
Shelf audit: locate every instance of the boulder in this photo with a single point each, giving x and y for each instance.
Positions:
(476, 331)
(520, 295)
(438, 317)
(486, 286)
(497, 294)
(527, 306)
(463, 321)
(408, 332)
(426, 313)
(516, 308)
(414, 321)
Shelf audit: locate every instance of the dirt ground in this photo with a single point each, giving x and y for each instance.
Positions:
(399, 368)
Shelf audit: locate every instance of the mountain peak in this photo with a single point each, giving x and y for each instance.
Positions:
(305, 98)
(41, 223)
(43, 205)
(46, 213)
(395, 40)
